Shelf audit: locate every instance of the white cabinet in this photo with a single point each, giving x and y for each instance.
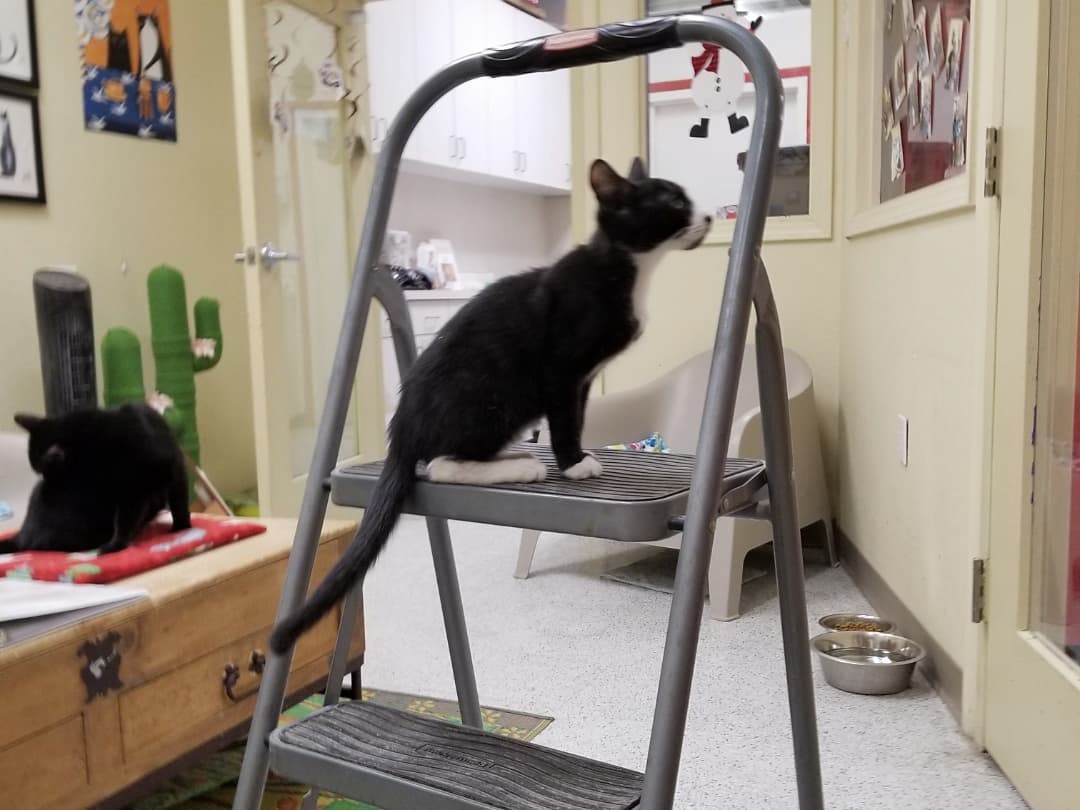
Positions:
(513, 129)
(429, 310)
(530, 114)
(471, 34)
(435, 139)
(391, 55)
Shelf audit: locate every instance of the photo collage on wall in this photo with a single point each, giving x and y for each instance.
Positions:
(22, 177)
(926, 61)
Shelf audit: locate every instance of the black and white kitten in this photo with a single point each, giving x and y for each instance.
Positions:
(526, 347)
(105, 474)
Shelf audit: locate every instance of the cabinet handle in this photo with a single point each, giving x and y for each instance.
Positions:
(517, 162)
(374, 128)
(524, 161)
(385, 127)
(462, 154)
(453, 147)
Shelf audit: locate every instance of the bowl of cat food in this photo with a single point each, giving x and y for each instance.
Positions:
(865, 662)
(844, 622)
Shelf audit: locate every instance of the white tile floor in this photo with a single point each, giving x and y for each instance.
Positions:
(586, 651)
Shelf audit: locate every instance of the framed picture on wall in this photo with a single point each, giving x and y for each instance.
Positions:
(18, 51)
(700, 108)
(21, 175)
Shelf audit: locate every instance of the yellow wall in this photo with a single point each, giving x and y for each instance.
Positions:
(113, 199)
(891, 322)
(907, 346)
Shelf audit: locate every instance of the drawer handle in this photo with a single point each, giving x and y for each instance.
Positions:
(231, 677)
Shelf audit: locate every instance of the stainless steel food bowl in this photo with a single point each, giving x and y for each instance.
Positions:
(861, 621)
(867, 663)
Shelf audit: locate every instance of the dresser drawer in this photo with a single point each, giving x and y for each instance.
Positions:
(39, 771)
(179, 704)
(219, 614)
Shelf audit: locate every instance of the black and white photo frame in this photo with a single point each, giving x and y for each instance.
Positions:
(18, 48)
(21, 174)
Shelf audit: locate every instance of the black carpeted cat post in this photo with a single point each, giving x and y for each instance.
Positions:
(66, 339)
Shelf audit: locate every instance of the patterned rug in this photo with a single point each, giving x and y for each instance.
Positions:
(212, 784)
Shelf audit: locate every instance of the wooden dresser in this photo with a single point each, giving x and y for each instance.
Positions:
(110, 704)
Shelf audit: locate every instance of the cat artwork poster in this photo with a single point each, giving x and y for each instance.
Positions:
(21, 176)
(127, 67)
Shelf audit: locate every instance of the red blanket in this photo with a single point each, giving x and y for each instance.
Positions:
(156, 546)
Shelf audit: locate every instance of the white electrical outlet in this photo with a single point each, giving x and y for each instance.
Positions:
(902, 438)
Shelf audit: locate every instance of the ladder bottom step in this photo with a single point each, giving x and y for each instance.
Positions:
(401, 761)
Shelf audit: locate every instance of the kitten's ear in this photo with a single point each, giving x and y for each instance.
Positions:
(608, 185)
(638, 172)
(29, 422)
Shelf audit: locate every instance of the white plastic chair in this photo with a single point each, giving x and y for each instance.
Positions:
(671, 405)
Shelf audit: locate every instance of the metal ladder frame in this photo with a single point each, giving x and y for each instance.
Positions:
(746, 284)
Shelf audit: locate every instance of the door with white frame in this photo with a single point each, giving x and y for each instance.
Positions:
(1033, 611)
(293, 62)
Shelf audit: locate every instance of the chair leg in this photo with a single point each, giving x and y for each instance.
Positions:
(830, 543)
(526, 551)
(725, 576)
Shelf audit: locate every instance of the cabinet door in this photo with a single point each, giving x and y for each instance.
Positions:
(531, 100)
(472, 100)
(434, 137)
(556, 123)
(391, 48)
(503, 153)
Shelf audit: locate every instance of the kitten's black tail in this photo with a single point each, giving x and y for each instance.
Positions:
(9, 546)
(379, 520)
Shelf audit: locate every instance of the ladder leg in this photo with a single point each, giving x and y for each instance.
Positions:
(787, 545)
(339, 661)
(274, 681)
(457, 636)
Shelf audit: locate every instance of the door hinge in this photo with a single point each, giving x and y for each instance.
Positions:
(993, 163)
(978, 589)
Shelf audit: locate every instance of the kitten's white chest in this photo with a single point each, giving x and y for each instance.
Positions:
(646, 264)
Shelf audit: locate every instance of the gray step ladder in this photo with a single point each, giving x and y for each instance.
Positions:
(399, 761)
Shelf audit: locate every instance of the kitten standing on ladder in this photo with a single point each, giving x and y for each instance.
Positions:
(526, 347)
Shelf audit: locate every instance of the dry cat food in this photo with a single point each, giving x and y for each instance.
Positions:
(860, 624)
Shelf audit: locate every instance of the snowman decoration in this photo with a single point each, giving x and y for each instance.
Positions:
(719, 76)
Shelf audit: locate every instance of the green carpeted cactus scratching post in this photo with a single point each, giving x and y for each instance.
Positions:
(121, 364)
(177, 358)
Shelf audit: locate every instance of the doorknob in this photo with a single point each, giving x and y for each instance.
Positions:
(270, 255)
(267, 254)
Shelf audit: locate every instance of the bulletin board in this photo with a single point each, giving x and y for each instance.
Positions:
(926, 73)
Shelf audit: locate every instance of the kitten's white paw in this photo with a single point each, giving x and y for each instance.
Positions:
(588, 467)
(443, 470)
(530, 469)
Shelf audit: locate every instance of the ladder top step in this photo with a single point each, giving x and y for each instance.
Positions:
(634, 500)
(400, 761)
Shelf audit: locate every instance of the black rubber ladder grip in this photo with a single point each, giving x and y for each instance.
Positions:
(586, 46)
